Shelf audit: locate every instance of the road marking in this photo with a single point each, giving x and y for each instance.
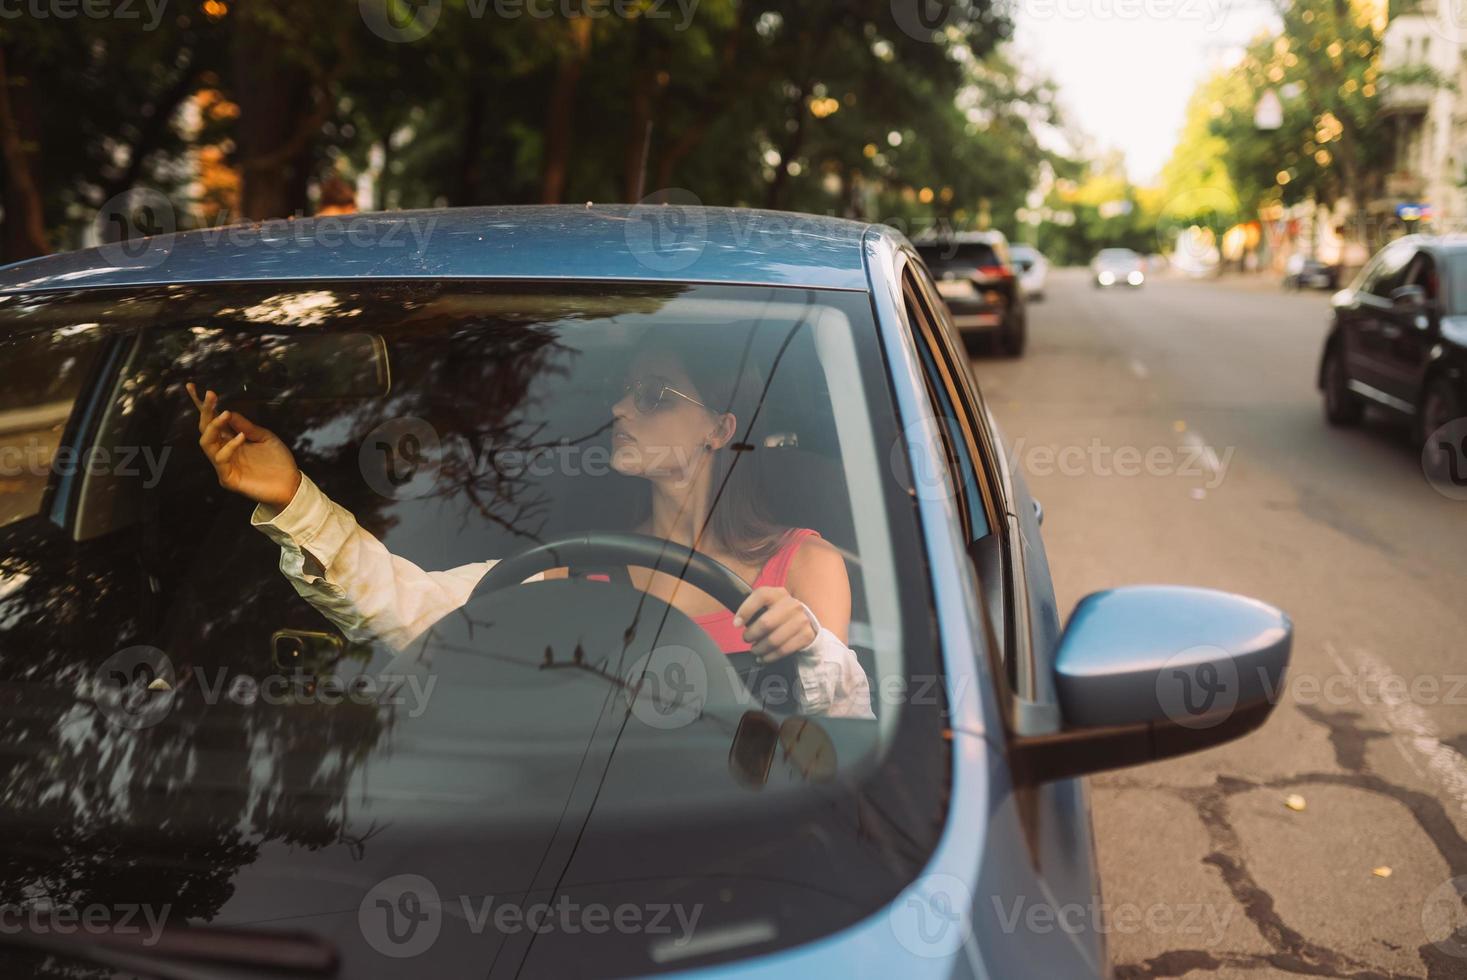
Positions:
(1139, 369)
(1413, 728)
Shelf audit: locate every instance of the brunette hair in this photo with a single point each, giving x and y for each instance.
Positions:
(725, 366)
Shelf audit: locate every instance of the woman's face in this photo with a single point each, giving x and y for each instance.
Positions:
(669, 440)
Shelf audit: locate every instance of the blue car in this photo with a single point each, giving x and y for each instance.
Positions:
(550, 591)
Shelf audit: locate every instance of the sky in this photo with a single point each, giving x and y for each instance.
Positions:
(1126, 68)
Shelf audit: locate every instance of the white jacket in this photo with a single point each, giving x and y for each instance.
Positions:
(372, 595)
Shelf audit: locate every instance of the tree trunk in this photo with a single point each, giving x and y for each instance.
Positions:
(471, 151)
(645, 88)
(277, 125)
(731, 82)
(24, 233)
(560, 114)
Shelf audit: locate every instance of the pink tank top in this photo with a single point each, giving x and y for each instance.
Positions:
(776, 570)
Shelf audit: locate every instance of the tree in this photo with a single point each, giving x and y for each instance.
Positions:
(844, 106)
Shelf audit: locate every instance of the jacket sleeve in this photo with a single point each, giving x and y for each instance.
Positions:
(832, 681)
(370, 594)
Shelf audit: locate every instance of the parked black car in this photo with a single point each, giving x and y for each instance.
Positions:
(1302, 272)
(977, 279)
(1399, 337)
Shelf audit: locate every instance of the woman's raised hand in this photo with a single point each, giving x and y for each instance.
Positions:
(249, 460)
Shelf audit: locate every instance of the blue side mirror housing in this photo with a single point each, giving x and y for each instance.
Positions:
(1149, 672)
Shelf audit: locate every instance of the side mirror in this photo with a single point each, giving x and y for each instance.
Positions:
(1408, 296)
(1150, 672)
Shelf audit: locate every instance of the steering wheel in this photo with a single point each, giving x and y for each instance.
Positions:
(599, 548)
(774, 682)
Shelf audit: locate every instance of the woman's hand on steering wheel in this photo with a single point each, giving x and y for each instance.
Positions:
(775, 623)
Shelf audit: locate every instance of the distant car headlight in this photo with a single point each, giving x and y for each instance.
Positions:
(1136, 278)
(1107, 278)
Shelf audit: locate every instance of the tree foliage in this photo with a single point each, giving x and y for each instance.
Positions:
(240, 108)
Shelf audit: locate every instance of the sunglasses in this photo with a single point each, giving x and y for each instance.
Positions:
(651, 396)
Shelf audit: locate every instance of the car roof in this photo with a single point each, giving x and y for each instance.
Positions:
(661, 243)
(1453, 242)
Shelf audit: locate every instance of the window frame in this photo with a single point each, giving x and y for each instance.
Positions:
(1012, 657)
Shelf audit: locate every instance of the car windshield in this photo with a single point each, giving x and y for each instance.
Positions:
(260, 726)
(1117, 256)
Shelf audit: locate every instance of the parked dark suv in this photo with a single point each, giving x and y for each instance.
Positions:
(977, 279)
(1399, 338)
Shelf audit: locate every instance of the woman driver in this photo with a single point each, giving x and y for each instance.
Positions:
(664, 430)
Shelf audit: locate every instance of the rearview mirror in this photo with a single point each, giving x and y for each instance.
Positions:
(305, 367)
(1150, 672)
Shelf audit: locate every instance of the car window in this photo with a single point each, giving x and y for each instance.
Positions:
(1423, 272)
(1456, 271)
(1366, 274)
(947, 384)
(1391, 270)
(961, 478)
(965, 258)
(448, 425)
(44, 374)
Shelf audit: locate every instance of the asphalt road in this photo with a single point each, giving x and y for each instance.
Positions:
(1207, 870)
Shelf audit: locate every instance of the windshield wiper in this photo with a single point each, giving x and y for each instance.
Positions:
(187, 953)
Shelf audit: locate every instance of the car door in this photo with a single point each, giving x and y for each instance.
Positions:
(55, 589)
(1040, 854)
(1409, 330)
(1370, 321)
